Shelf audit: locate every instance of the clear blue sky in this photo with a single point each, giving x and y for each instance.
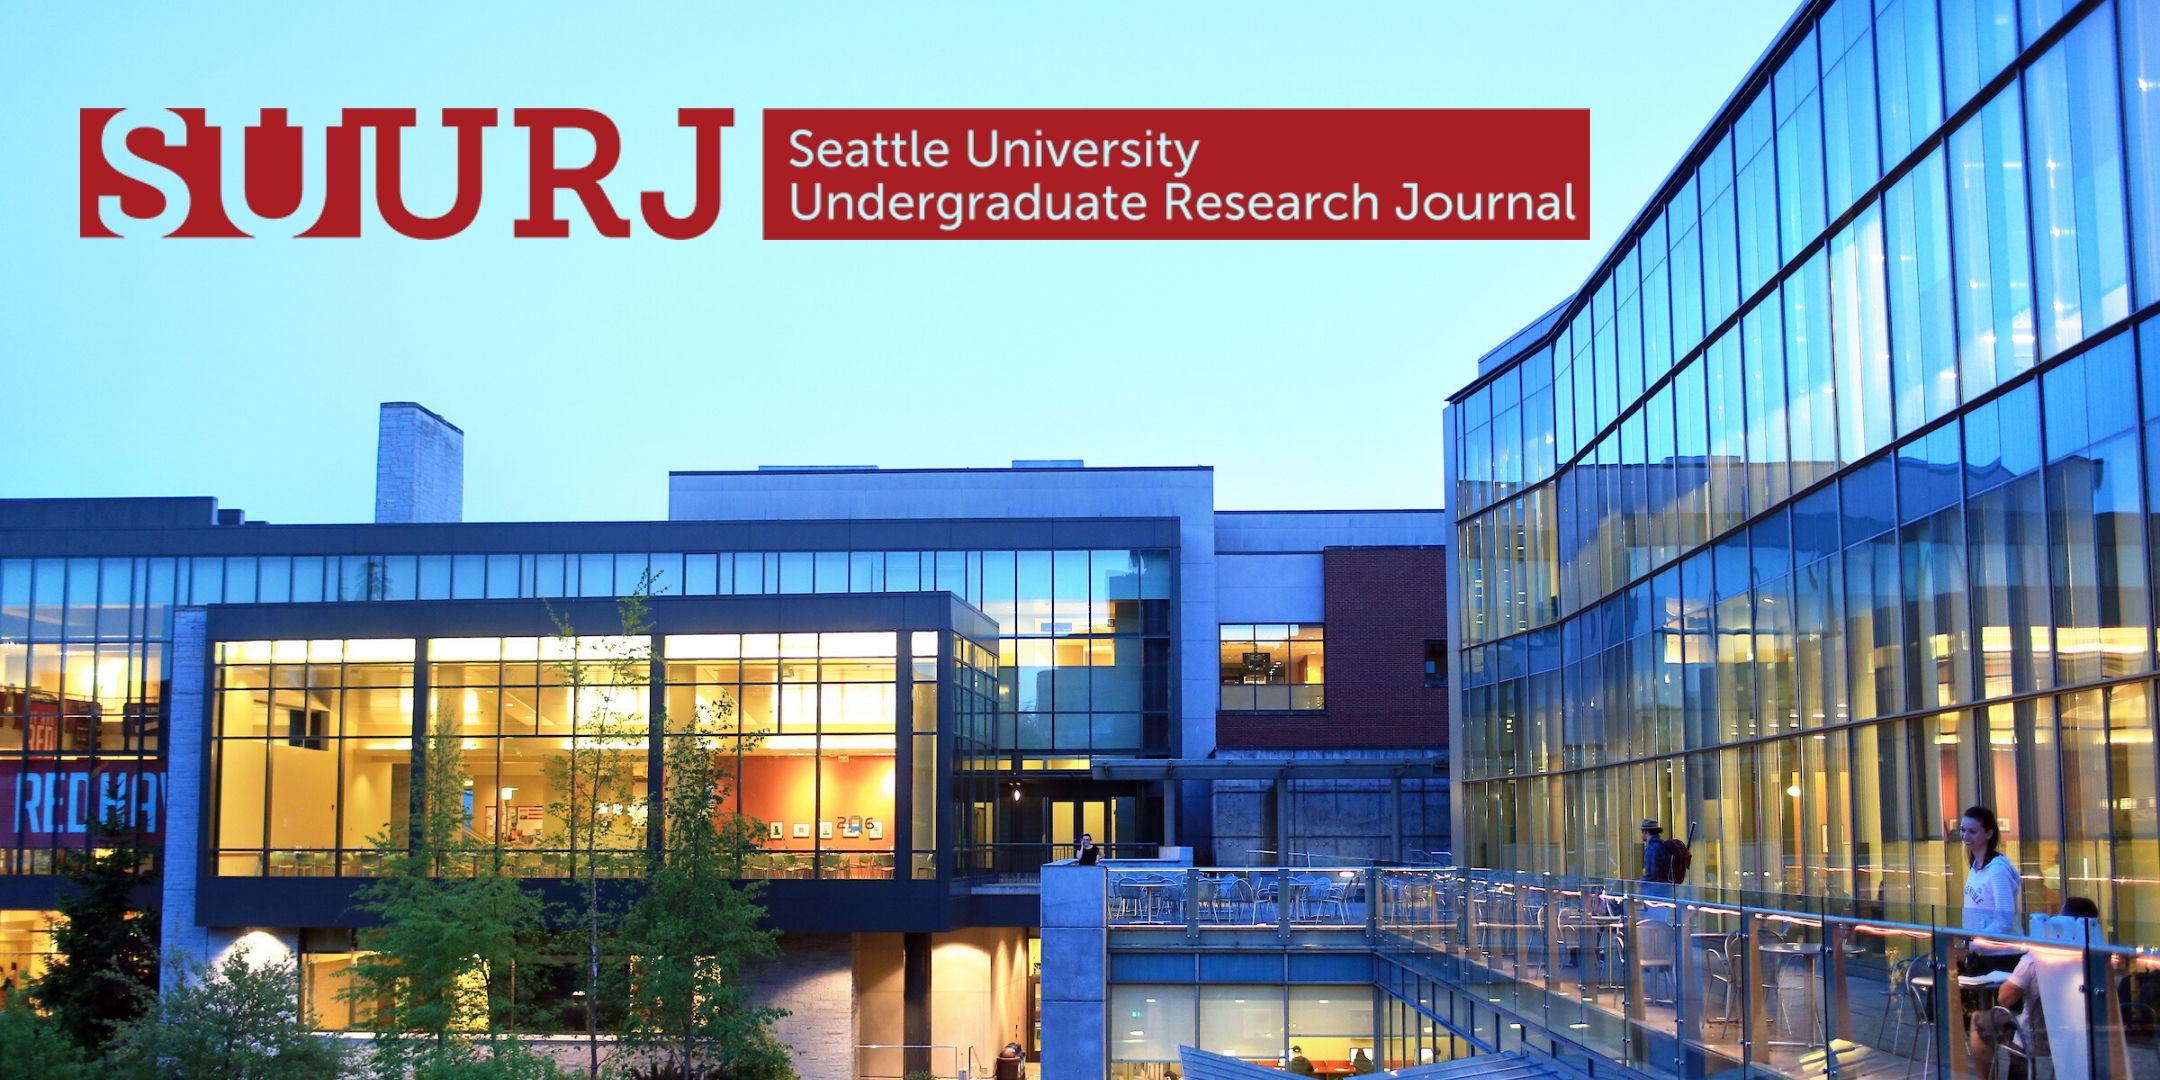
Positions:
(1311, 375)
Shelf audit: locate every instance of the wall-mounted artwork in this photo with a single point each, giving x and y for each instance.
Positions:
(824, 830)
(873, 829)
(853, 829)
(802, 830)
(778, 830)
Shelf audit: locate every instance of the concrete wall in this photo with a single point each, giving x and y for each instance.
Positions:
(1269, 588)
(1075, 973)
(1340, 822)
(1313, 530)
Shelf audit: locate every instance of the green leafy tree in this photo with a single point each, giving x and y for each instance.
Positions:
(234, 1021)
(33, 1047)
(433, 977)
(598, 797)
(105, 943)
(696, 929)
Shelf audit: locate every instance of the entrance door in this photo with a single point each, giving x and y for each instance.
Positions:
(1109, 820)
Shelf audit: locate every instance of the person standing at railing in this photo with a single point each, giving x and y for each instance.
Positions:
(1992, 889)
(1086, 853)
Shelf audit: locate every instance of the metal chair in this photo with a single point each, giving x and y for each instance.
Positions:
(1717, 968)
(1894, 1011)
(1920, 1000)
(1236, 896)
(1657, 953)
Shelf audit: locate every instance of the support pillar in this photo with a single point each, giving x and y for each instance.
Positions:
(915, 1000)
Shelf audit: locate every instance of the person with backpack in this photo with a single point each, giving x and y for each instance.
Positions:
(1665, 862)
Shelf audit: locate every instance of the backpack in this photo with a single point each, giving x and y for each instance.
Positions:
(1677, 858)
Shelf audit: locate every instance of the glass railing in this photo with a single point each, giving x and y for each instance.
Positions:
(1224, 898)
(1028, 859)
(1675, 986)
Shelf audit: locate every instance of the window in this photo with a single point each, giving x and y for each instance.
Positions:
(1272, 667)
(1436, 663)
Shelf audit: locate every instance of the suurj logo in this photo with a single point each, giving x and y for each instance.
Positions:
(142, 167)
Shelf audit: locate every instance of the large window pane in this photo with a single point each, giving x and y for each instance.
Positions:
(1243, 1021)
(2141, 103)
(1916, 221)
(1149, 1023)
(1799, 150)
(1910, 70)
(1991, 246)
(2081, 264)
(1862, 342)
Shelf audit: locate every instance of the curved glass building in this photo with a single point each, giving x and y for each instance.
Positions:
(1825, 508)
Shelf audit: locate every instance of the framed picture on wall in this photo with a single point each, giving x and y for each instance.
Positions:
(824, 830)
(777, 830)
(802, 830)
(853, 829)
(873, 829)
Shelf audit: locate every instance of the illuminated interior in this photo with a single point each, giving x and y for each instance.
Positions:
(314, 747)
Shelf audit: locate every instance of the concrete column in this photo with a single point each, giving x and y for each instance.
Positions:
(185, 721)
(915, 999)
(1075, 973)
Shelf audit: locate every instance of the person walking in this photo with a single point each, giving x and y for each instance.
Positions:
(1654, 856)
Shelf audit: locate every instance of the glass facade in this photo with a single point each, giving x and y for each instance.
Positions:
(1826, 509)
(314, 746)
(1084, 656)
(1256, 1021)
(83, 645)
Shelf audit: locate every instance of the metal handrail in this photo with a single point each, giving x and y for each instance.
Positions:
(1523, 937)
(952, 1059)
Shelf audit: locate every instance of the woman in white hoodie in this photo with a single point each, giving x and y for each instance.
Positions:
(1992, 890)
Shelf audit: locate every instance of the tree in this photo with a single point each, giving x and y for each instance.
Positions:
(234, 1021)
(597, 795)
(433, 978)
(33, 1047)
(696, 929)
(105, 944)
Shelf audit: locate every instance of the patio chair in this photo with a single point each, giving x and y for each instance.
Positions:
(1235, 899)
(1894, 1011)
(1920, 1005)
(1657, 954)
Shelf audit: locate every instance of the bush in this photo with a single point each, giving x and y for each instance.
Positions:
(32, 1046)
(236, 1021)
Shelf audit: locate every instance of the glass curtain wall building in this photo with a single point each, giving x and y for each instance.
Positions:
(1826, 507)
(1084, 647)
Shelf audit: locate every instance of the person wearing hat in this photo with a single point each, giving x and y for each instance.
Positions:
(1653, 852)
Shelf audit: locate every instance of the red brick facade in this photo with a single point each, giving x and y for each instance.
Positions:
(1382, 605)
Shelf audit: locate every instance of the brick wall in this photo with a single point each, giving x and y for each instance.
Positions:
(1382, 605)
